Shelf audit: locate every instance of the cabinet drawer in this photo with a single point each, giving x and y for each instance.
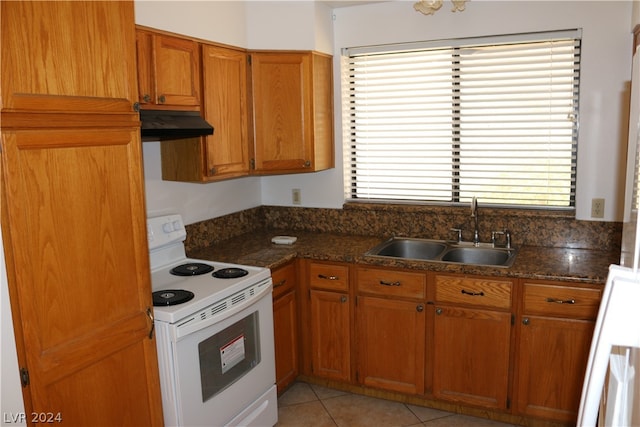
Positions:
(379, 281)
(284, 279)
(561, 301)
(329, 276)
(474, 291)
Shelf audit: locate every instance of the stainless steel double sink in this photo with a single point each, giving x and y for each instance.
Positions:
(445, 251)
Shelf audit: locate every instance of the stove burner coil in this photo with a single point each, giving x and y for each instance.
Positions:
(171, 297)
(230, 273)
(191, 269)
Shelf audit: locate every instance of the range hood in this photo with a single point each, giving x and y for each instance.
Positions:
(164, 124)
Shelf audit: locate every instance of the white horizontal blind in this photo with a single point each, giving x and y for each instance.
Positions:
(495, 120)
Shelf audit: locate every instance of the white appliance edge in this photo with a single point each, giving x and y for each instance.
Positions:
(611, 390)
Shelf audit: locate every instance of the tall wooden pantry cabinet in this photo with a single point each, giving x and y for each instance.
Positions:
(73, 215)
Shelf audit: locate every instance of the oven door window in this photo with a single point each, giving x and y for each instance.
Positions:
(228, 355)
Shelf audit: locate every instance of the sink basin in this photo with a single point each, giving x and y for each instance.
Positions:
(443, 251)
(480, 256)
(409, 248)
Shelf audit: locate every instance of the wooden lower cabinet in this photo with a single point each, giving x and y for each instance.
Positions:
(471, 356)
(472, 340)
(555, 332)
(391, 344)
(552, 360)
(285, 325)
(517, 348)
(330, 335)
(329, 320)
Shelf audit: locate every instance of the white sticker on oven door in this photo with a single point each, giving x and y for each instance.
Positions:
(232, 353)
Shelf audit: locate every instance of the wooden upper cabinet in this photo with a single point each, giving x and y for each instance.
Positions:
(225, 154)
(62, 56)
(225, 107)
(293, 111)
(168, 71)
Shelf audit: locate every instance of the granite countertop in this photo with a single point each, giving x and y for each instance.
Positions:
(532, 262)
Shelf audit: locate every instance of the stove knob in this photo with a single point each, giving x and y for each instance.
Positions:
(177, 225)
(167, 227)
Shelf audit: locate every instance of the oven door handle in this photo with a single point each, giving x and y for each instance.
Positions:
(153, 324)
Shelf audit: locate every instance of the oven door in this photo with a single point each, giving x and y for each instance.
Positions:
(212, 375)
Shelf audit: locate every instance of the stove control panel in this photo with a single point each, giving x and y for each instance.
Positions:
(165, 230)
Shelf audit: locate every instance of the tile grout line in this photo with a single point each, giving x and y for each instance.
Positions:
(323, 405)
(427, 422)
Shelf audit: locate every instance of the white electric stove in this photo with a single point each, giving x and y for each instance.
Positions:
(214, 331)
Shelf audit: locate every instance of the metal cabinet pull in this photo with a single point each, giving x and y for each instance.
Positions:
(146, 98)
(420, 308)
(280, 283)
(382, 282)
(162, 99)
(525, 321)
(474, 294)
(343, 298)
(322, 276)
(561, 301)
(153, 324)
(438, 311)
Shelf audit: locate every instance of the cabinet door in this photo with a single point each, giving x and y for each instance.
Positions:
(225, 107)
(552, 360)
(78, 269)
(286, 340)
(388, 359)
(330, 335)
(282, 109)
(64, 56)
(285, 324)
(168, 71)
(471, 356)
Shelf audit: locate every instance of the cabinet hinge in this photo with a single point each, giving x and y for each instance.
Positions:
(24, 377)
(252, 164)
(508, 403)
(513, 320)
(249, 59)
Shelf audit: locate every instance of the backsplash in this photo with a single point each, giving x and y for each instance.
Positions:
(528, 227)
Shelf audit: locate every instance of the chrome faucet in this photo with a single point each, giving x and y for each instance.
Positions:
(474, 215)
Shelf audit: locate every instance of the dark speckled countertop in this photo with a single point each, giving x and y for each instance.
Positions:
(532, 262)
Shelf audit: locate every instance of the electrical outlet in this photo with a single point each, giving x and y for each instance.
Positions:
(597, 208)
(296, 197)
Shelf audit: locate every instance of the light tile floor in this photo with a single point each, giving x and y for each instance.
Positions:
(310, 405)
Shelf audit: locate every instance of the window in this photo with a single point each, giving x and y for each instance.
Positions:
(443, 121)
